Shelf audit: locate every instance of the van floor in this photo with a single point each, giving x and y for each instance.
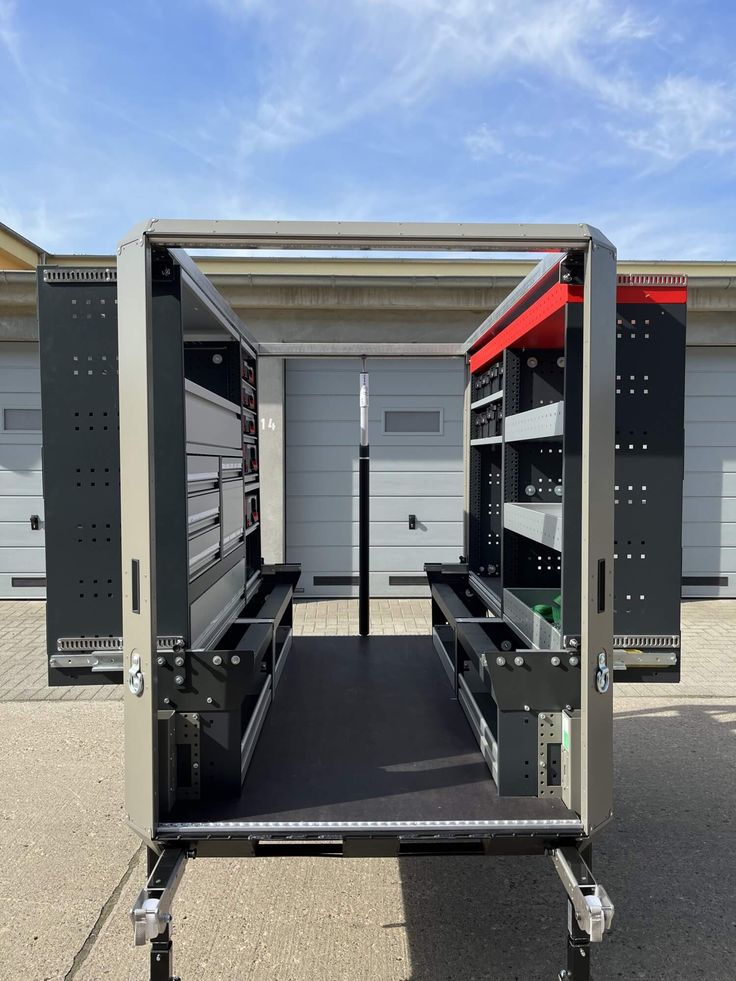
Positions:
(368, 729)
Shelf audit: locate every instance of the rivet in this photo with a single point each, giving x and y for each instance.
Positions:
(179, 661)
(500, 661)
(217, 660)
(555, 661)
(235, 659)
(160, 661)
(518, 660)
(179, 679)
(574, 661)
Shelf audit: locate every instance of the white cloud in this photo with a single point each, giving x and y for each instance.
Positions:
(9, 37)
(483, 143)
(331, 65)
(685, 116)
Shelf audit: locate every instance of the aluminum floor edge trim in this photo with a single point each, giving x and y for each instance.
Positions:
(190, 830)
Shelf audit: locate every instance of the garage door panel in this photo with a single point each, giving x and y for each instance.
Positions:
(705, 559)
(706, 409)
(20, 534)
(345, 383)
(19, 560)
(417, 473)
(21, 508)
(414, 483)
(20, 482)
(710, 434)
(308, 484)
(710, 485)
(710, 459)
(15, 456)
(300, 433)
(322, 459)
(709, 533)
(388, 484)
(20, 379)
(382, 509)
(341, 560)
(22, 553)
(393, 534)
(317, 408)
(699, 509)
(709, 359)
(383, 457)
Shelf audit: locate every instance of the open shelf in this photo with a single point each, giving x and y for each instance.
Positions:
(486, 441)
(540, 522)
(518, 611)
(487, 400)
(544, 422)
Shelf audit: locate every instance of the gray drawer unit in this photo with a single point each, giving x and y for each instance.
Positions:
(213, 423)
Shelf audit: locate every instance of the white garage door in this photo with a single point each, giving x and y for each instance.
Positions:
(709, 531)
(416, 409)
(22, 565)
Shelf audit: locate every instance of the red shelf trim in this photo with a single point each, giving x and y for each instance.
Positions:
(543, 323)
(651, 294)
(544, 318)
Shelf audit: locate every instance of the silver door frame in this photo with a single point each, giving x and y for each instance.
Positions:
(137, 448)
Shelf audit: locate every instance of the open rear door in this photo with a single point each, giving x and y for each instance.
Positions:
(77, 316)
(526, 418)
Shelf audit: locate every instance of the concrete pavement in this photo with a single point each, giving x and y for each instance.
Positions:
(69, 869)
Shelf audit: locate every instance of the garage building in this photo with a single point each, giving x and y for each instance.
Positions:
(309, 411)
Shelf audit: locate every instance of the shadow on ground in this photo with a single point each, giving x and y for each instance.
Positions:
(668, 861)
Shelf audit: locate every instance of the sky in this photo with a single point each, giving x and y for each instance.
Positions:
(618, 114)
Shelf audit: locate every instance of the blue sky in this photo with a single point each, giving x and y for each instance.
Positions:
(622, 115)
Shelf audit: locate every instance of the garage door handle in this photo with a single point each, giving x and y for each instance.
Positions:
(412, 522)
(35, 522)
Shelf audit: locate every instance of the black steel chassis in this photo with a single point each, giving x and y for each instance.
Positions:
(589, 909)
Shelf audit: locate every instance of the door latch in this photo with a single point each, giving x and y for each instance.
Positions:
(603, 674)
(135, 675)
(35, 522)
(412, 522)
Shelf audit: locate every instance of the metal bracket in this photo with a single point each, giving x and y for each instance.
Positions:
(151, 912)
(593, 908)
(101, 653)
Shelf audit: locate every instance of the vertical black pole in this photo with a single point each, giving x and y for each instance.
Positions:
(364, 516)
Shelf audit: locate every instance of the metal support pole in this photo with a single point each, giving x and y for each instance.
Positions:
(364, 516)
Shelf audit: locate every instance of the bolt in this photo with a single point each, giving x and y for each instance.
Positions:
(160, 661)
(167, 701)
(574, 643)
(542, 715)
(542, 765)
(217, 660)
(558, 490)
(555, 661)
(532, 362)
(568, 708)
(518, 660)
(209, 701)
(195, 766)
(560, 362)
(530, 490)
(179, 661)
(235, 659)
(506, 645)
(574, 661)
(500, 661)
(526, 708)
(179, 679)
